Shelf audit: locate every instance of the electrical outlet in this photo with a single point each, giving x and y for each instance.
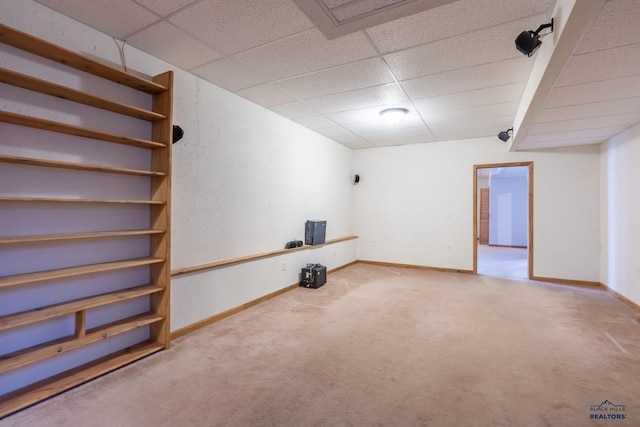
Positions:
(284, 266)
(449, 247)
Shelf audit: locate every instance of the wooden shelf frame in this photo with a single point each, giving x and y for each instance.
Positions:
(75, 236)
(157, 291)
(42, 86)
(63, 200)
(253, 257)
(75, 166)
(82, 337)
(63, 273)
(57, 310)
(37, 123)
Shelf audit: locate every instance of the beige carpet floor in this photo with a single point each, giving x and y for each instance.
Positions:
(502, 261)
(383, 346)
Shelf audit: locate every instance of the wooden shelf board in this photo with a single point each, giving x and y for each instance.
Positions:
(61, 273)
(246, 258)
(38, 353)
(75, 166)
(75, 236)
(64, 56)
(42, 86)
(45, 313)
(27, 396)
(34, 122)
(61, 200)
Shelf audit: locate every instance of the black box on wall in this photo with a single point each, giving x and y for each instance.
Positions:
(314, 232)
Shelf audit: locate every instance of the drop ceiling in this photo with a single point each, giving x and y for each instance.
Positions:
(452, 64)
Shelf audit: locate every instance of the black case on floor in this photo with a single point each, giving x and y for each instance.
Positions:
(313, 276)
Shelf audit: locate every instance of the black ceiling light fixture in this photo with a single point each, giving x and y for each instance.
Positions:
(505, 135)
(178, 133)
(529, 41)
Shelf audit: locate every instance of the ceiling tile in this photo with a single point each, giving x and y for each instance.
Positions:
(388, 94)
(304, 53)
(316, 122)
(266, 95)
(173, 45)
(471, 98)
(596, 66)
(616, 25)
(436, 24)
(233, 26)
(471, 128)
(357, 75)
(596, 109)
(294, 110)
(369, 119)
(229, 75)
(626, 87)
(354, 142)
(164, 7)
(467, 50)
(488, 75)
(361, 116)
(377, 124)
(124, 16)
(334, 131)
(462, 116)
(401, 136)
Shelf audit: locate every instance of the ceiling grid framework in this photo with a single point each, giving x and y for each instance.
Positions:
(453, 64)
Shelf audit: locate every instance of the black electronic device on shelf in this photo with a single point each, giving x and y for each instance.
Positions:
(314, 232)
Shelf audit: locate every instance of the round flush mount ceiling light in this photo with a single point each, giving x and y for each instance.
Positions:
(393, 115)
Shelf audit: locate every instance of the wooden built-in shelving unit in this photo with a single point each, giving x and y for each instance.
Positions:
(156, 289)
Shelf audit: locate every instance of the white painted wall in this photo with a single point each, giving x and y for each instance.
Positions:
(604, 213)
(509, 213)
(621, 272)
(416, 201)
(245, 180)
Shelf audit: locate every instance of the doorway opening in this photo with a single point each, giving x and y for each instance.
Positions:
(503, 219)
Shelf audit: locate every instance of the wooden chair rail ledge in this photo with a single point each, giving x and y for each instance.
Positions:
(247, 258)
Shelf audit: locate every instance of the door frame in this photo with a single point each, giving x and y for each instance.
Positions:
(475, 211)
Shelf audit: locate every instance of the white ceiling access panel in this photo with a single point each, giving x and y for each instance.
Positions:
(336, 18)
